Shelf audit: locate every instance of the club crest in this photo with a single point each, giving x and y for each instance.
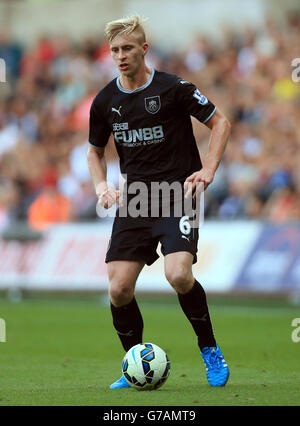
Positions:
(152, 104)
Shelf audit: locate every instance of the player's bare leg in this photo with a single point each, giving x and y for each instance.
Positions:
(192, 298)
(178, 271)
(122, 275)
(126, 315)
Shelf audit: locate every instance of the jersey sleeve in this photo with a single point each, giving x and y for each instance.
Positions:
(99, 130)
(192, 101)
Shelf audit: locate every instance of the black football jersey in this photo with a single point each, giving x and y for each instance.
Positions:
(152, 127)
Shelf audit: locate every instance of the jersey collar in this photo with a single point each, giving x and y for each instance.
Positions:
(139, 88)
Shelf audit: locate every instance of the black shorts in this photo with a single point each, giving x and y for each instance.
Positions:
(137, 238)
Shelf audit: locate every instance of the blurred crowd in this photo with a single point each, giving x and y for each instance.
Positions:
(44, 112)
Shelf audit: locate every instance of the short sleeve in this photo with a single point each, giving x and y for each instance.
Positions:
(192, 101)
(99, 130)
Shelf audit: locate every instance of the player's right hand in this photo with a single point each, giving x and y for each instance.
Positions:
(109, 197)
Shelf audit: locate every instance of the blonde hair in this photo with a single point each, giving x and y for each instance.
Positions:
(126, 26)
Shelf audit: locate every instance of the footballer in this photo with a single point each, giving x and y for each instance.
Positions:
(149, 113)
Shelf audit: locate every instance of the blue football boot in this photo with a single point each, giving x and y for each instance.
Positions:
(121, 383)
(217, 371)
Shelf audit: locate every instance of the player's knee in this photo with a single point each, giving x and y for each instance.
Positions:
(180, 278)
(120, 292)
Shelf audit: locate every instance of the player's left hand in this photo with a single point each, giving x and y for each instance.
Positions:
(198, 182)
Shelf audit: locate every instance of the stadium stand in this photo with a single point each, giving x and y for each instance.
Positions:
(44, 113)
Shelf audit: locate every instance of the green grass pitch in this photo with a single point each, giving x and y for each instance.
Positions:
(64, 352)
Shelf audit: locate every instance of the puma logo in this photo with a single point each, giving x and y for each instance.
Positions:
(187, 238)
(199, 319)
(129, 334)
(117, 110)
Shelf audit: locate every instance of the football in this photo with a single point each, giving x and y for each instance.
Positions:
(146, 366)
